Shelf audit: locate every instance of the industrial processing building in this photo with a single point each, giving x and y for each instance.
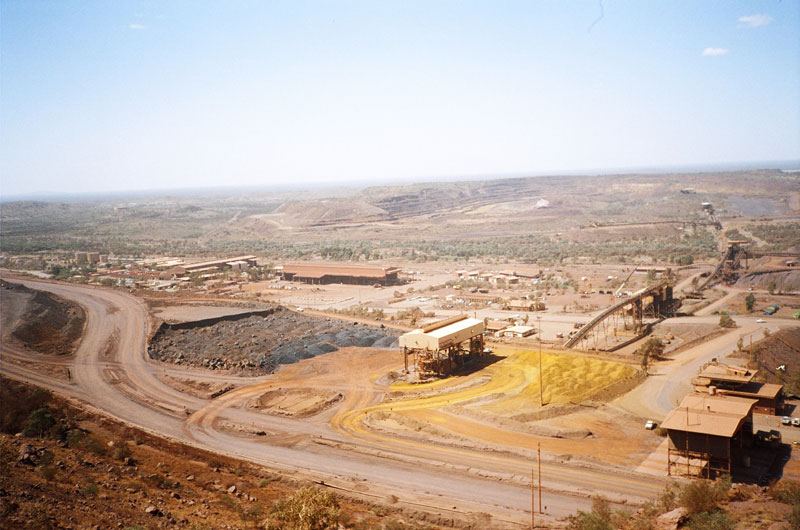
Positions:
(737, 381)
(441, 347)
(320, 273)
(708, 433)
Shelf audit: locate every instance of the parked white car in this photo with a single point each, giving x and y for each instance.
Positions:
(786, 420)
(650, 425)
(760, 321)
(796, 422)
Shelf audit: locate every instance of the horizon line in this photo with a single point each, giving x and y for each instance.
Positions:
(710, 167)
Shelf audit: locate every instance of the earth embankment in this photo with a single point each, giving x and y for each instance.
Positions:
(40, 321)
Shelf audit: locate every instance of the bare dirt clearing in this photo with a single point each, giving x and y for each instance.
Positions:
(201, 389)
(295, 402)
(188, 313)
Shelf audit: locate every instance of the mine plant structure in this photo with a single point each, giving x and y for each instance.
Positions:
(708, 434)
(652, 303)
(443, 346)
(727, 269)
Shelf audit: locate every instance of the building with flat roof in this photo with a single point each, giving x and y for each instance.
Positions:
(480, 298)
(238, 265)
(517, 331)
(320, 273)
(442, 346)
(707, 434)
(218, 264)
(730, 380)
(494, 326)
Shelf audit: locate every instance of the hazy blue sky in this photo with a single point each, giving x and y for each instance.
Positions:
(110, 95)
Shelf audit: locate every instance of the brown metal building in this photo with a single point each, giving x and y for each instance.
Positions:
(738, 381)
(331, 273)
(708, 434)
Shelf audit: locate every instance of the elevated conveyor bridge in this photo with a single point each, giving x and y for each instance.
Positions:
(655, 301)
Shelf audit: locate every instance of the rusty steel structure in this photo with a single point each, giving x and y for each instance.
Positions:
(443, 346)
(727, 268)
(654, 302)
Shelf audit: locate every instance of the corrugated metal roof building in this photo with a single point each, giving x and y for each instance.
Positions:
(334, 273)
(440, 347)
(707, 433)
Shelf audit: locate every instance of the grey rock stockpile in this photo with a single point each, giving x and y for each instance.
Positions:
(258, 344)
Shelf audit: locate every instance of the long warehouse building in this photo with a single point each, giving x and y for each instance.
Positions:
(320, 273)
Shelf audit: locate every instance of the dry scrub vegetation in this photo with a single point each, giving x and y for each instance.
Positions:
(66, 468)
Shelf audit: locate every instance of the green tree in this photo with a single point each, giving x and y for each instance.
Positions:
(750, 302)
(652, 348)
(39, 423)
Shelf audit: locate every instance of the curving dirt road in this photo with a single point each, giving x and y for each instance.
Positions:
(111, 372)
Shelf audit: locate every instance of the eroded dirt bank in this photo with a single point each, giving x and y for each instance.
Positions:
(40, 321)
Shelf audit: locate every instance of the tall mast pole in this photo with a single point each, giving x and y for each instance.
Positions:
(539, 461)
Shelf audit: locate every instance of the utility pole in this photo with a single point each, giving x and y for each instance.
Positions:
(539, 461)
(541, 390)
(533, 508)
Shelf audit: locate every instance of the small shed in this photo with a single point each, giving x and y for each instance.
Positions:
(517, 331)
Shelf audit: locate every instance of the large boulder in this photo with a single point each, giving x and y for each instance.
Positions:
(671, 520)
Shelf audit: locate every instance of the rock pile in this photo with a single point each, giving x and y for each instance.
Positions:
(259, 344)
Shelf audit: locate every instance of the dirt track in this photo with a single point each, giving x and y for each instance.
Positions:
(334, 445)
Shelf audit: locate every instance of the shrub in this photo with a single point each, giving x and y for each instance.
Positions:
(93, 445)
(668, 500)
(91, 489)
(794, 517)
(703, 496)
(307, 509)
(121, 450)
(39, 423)
(39, 517)
(711, 521)
(75, 438)
(48, 472)
(787, 491)
(6, 456)
(598, 519)
(725, 321)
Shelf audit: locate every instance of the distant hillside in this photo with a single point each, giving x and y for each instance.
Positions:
(608, 217)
